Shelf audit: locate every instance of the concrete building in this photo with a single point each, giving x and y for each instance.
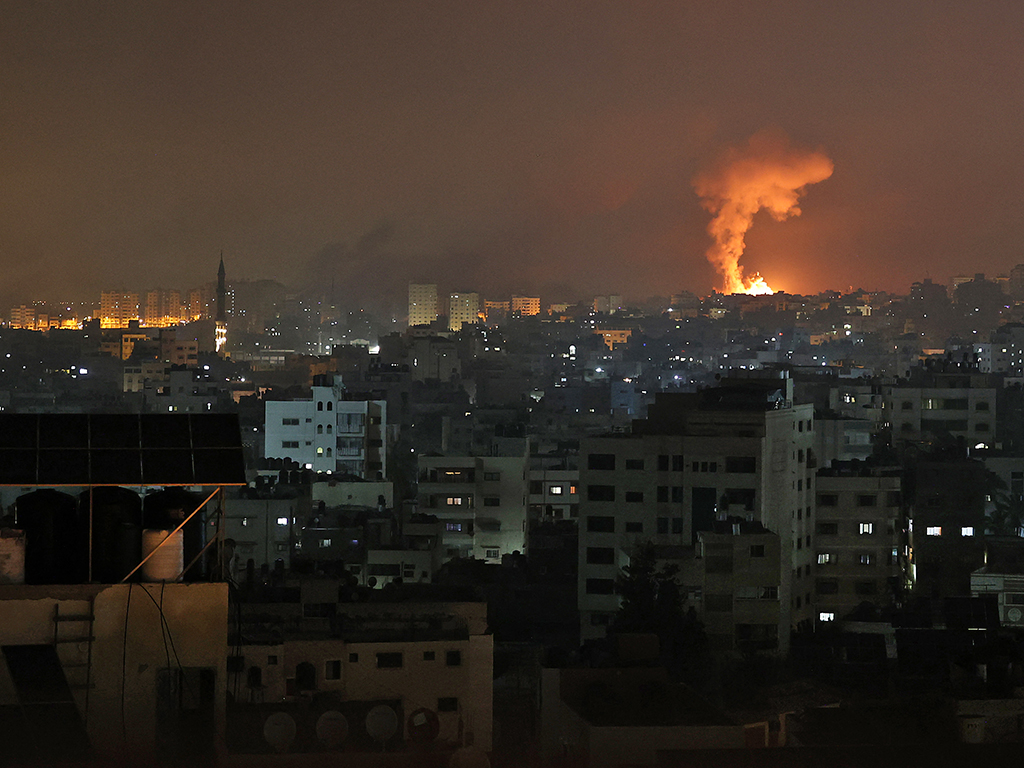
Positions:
(413, 656)
(938, 403)
(118, 308)
(422, 303)
(329, 433)
(860, 547)
(554, 493)
(740, 606)
(433, 358)
(463, 308)
(1002, 575)
(739, 450)
(482, 501)
(264, 531)
(525, 306)
(947, 526)
(605, 718)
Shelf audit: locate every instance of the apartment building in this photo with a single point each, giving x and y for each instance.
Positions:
(329, 433)
(482, 501)
(739, 450)
(860, 545)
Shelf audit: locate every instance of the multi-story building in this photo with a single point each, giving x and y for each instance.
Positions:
(1002, 576)
(860, 547)
(935, 404)
(740, 588)
(422, 303)
(480, 499)
(740, 450)
(463, 308)
(524, 306)
(554, 493)
(118, 308)
(429, 663)
(947, 526)
(329, 433)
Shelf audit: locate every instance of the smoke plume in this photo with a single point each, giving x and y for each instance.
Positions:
(765, 172)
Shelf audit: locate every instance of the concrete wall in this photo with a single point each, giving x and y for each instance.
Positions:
(129, 650)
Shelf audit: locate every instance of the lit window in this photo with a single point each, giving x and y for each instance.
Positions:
(933, 530)
(555, 490)
(454, 501)
(456, 527)
(867, 528)
(824, 558)
(967, 531)
(282, 521)
(245, 521)
(572, 489)
(826, 616)
(325, 542)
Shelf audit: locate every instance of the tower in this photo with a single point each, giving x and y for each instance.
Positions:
(221, 332)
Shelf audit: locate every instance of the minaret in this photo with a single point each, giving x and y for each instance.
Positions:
(222, 320)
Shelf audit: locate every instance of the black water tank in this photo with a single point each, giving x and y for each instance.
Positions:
(116, 531)
(54, 550)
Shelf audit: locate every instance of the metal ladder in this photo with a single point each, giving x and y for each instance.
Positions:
(86, 621)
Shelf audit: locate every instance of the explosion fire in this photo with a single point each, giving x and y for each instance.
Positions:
(765, 173)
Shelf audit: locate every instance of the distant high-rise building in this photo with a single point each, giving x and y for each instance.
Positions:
(526, 305)
(118, 308)
(422, 303)
(463, 308)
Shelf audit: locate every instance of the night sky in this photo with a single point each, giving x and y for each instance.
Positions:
(543, 147)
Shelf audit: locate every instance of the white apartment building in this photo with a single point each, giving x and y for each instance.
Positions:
(482, 501)
(328, 433)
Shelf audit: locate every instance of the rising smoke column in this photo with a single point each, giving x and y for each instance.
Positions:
(766, 172)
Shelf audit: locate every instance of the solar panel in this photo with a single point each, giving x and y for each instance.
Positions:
(120, 449)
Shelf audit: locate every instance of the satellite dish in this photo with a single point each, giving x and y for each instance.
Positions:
(422, 725)
(279, 731)
(381, 723)
(1013, 615)
(332, 728)
(469, 757)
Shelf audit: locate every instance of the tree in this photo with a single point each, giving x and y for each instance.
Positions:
(1007, 517)
(651, 600)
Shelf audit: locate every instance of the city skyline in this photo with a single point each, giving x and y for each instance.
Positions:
(509, 149)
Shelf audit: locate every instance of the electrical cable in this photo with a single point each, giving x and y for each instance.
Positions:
(124, 661)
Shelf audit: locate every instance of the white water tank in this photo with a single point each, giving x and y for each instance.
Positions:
(169, 560)
(12, 556)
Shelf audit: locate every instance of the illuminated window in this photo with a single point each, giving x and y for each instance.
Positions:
(453, 501)
(826, 616)
(455, 527)
(824, 558)
(282, 521)
(325, 542)
(967, 531)
(933, 530)
(555, 490)
(867, 528)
